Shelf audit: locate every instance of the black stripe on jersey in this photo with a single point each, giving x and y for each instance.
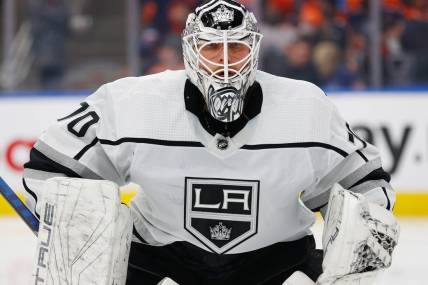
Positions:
(355, 135)
(198, 144)
(85, 149)
(351, 138)
(152, 141)
(351, 135)
(363, 156)
(32, 195)
(296, 145)
(137, 235)
(39, 161)
(376, 174)
(388, 206)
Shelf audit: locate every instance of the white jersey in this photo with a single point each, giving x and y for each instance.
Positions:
(225, 195)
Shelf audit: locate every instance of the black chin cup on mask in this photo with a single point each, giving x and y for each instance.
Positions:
(225, 104)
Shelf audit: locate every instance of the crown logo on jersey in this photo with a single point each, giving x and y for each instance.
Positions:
(220, 232)
(223, 15)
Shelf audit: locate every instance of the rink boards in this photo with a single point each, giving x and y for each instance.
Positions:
(396, 122)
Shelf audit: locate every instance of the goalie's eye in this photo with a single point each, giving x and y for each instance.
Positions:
(210, 50)
(235, 46)
(212, 46)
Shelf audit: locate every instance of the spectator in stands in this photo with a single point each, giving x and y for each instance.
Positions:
(162, 21)
(333, 28)
(150, 33)
(277, 26)
(311, 19)
(295, 61)
(415, 43)
(50, 30)
(397, 64)
(177, 15)
(168, 56)
(326, 58)
(349, 74)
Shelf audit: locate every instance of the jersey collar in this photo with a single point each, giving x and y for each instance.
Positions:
(195, 103)
(222, 139)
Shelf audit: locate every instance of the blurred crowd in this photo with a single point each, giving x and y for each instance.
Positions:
(326, 42)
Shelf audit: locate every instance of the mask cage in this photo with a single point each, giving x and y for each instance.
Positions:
(194, 43)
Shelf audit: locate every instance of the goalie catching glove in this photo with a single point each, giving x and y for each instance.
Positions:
(358, 239)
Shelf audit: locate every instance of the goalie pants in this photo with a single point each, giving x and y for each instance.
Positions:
(187, 264)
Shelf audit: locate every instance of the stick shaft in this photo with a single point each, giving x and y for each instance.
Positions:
(26, 215)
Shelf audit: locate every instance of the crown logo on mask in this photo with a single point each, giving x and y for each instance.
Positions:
(223, 15)
(220, 232)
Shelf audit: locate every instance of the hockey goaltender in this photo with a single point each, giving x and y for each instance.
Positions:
(231, 162)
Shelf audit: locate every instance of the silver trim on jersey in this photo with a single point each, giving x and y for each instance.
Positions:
(360, 173)
(322, 199)
(370, 185)
(317, 201)
(66, 161)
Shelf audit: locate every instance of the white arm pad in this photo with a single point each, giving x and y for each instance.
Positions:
(358, 239)
(84, 235)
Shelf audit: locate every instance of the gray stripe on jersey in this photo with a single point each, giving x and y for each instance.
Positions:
(369, 185)
(41, 175)
(362, 188)
(339, 172)
(360, 173)
(318, 201)
(66, 161)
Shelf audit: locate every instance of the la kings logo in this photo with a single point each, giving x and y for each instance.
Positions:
(221, 213)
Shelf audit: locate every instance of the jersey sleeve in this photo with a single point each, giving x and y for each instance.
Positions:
(351, 162)
(71, 147)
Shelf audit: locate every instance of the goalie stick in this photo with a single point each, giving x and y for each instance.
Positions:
(29, 218)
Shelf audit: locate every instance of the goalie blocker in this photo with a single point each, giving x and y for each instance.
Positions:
(85, 234)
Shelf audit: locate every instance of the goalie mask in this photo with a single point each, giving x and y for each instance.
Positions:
(221, 44)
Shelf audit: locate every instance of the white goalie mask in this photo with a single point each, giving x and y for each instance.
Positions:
(221, 44)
